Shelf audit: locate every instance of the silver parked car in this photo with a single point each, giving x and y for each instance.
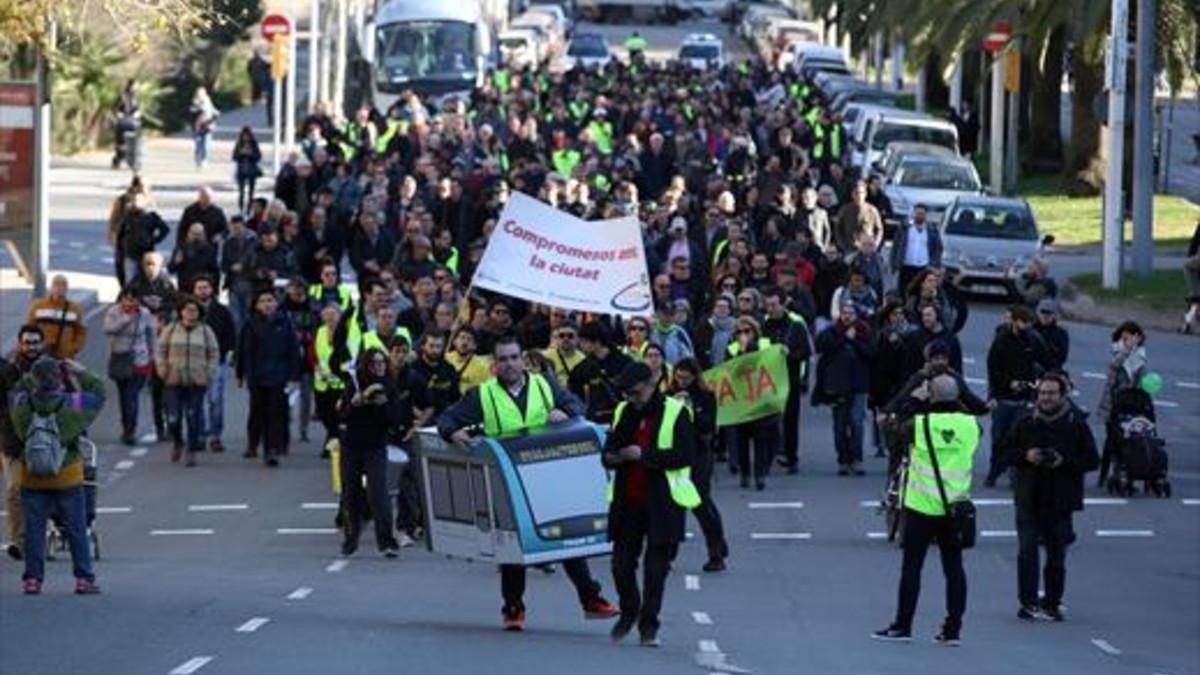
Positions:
(933, 180)
(989, 241)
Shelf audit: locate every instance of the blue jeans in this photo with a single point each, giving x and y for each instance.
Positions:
(130, 391)
(848, 415)
(38, 506)
(186, 402)
(201, 149)
(1005, 415)
(239, 307)
(214, 404)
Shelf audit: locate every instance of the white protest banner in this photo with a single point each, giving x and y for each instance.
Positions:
(544, 255)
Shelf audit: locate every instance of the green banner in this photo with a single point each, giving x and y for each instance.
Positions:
(750, 387)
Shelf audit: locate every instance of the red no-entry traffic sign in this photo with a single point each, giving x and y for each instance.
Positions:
(997, 37)
(276, 25)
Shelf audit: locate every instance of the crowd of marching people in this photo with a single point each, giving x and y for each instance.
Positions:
(344, 297)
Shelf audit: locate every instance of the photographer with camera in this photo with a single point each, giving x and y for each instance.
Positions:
(1014, 362)
(1051, 451)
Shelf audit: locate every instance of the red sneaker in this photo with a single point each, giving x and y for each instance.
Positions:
(31, 586)
(85, 587)
(599, 608)
(514, 619)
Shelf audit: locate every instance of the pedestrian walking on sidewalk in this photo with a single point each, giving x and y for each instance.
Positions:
(186, 357)
(1050, 451)
(15, 366)
(131, 331)
(651, 449)
(246, 157)
(204, 122)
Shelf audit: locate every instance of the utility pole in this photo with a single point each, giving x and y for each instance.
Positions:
(1114, 209)
(897, 61)
(877, 58)
(956, 83)
(314, 50)
(1143, 143)
(339, 65)
(42, 134)
(325, 75)
(996, 128)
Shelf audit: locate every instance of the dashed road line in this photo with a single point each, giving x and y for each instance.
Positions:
(877, 535)
(194, 508)
(1124, 533)
(997, 534)
(113, 509)
(775, 536)
(1087, 374)
(691, 582)
(975, 380)
(1106, 647)
(306, 530)
(299, 593)
(75, 244)
(253, 624)
(1165, 404)
(1190, 501)
(776, 505)
(181, 533)
(124, 465)
(191, 665)
(709, 646)
(702, 618)
(139, 452)
(1188, 385)
(319, 506)
(969, 360)
(337, 566)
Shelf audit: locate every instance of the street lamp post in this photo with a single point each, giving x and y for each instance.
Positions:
(1114, 209)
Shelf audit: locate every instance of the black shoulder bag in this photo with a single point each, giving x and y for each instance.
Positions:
(961, 513)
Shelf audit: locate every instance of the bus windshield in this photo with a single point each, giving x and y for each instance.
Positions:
(426, 50)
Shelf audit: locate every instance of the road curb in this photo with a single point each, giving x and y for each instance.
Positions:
(1076, 305)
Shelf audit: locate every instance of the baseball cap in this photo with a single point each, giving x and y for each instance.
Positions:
(1047, 306)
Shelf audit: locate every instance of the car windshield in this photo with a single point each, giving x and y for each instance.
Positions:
(514, 42)
(587, 48)
(427, 50)
(992, 222)
(892, 131)
(937, 176)
(699, 52)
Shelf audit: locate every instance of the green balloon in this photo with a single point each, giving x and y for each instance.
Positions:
(1151, 383)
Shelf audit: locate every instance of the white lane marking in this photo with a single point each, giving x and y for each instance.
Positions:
(969, 360)
(1124, 533)
(124, 465)
(877, 535)
(769, 536)
(689, 535)
(299, 594)
(1188, 385)
(869, 503)
(1094, 376)
(139, 452)
(306, 530)
(337, 566)
(217, 507)
(191, 665)
(180, 533)
(702, 618)
(1190, 501)
(691, 582)
(992, 501)
(253, 624)
(113, 509)
(975, 380)
(1106, 647)
(319, 506)
(1166, 404)
(75, 244)
(998, 533)
(776, 505)
(147, 438)
(709, 647)
(1105, 501)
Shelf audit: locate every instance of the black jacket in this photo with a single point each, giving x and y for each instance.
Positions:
(367, 425)
(220, 320)
(592, 380)
(158, 295)
(1044, 489)
(1014, 358)
(268, 352)
(666, 518)
(1056, 343)
(140, 232)
(211, 217)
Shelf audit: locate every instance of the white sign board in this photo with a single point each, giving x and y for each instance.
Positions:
(540, 254)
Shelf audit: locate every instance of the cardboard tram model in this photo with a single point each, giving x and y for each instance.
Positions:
(528, 499)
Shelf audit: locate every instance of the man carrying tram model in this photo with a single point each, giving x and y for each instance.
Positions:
(510, 402)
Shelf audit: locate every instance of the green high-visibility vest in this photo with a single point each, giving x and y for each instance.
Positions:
(451, 261)
(502, 80)
(325, 379)
(796, 318)
(344, 294)
(502, 416)
(744, 67)
(602, 136)
(735, 347)
(683, 491)
(382, 143)
(635, 43)
(818, 141)
(719, 252)
(689, 113)
(835, 141)
(601, 182)
(565, 161)
(955, 435)
(579, 109)
(371, 339)
(638, 354)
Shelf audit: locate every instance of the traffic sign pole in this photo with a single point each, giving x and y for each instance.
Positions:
(276, 115)
(277, 29)
(1114, 209)
(289, 116)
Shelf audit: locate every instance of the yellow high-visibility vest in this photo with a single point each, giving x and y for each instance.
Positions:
(683, 491)
(502, 416)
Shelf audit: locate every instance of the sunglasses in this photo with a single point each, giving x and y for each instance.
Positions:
(566, 336)
(746, 331)
(637, 329)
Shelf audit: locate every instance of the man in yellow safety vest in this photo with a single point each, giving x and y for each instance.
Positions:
(515, 401)
(650, 448)
(934, 483)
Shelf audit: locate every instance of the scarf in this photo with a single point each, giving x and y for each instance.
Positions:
(1051, 417)
(722, 334)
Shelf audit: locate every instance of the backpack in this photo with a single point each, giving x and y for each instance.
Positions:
(44, 449)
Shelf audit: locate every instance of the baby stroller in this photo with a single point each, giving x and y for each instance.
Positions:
(56, 534)
(1133, 443)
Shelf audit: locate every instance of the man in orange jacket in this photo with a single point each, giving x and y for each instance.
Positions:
(61, 321)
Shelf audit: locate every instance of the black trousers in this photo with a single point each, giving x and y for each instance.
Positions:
(512, 582)
(360, 462)
(1053, 531)
(327, 411)
(158, 397)
(791, 418)
(646, 603)
(707, 514)
(907, 274)
(920, 531)
(268, 420)
(764, 434)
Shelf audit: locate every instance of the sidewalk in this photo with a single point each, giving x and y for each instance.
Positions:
(1183, 173)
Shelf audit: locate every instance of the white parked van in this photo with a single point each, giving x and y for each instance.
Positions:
(882, 128)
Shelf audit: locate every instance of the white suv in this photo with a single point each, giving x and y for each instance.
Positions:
(702, 51)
